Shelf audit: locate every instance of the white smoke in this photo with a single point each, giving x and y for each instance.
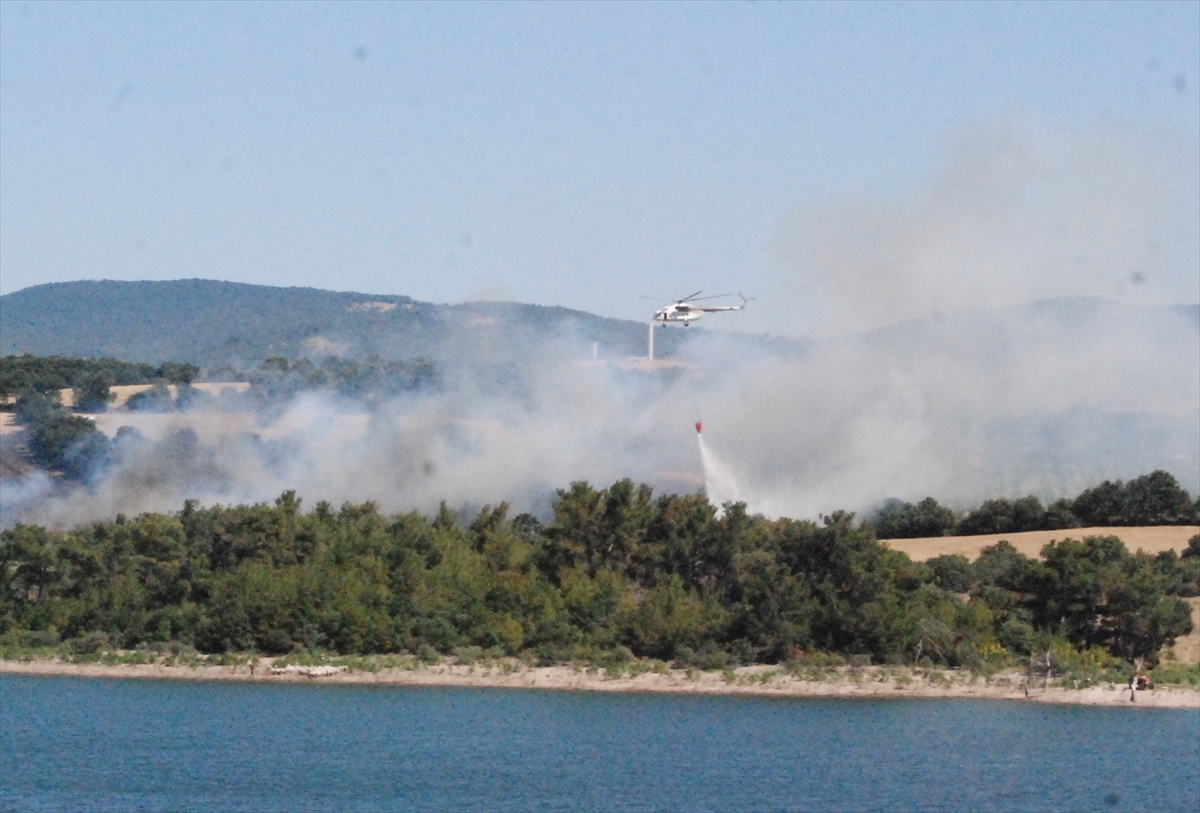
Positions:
(579, 421)
(1018, 211)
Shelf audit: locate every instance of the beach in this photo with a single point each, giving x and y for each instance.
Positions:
(871, 681)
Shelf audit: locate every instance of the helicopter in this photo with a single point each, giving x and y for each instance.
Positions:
(684, 311)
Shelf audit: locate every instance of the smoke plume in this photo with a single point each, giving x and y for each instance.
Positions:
(1023, 322)
(1017, 211)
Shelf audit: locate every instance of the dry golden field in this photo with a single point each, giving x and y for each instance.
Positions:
(124, 391)
(1152, 540)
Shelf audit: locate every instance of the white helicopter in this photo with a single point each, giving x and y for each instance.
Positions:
(685, 311)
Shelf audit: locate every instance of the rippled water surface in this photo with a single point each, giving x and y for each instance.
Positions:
(81, 744)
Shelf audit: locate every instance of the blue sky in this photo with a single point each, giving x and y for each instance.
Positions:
(586, 154)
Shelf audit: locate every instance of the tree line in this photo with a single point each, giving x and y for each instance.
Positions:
(275, 379)
(370, 378)
(1152, 499)
(613, 573)
(63, 441)
(90, 378)
(58, 439)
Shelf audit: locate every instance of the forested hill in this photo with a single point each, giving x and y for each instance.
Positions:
(213, 323)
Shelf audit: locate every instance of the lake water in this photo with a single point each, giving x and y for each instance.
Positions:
(82, 744)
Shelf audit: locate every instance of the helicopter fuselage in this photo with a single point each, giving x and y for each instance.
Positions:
(685, 310)
(678, 313)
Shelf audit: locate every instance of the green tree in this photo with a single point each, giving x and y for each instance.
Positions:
(1001, 516)
(1060, 515)
(1096, 593)
(902, 520)
(92, 393)
(951, 572)
(1153, 499)
(1184, 571)
(179, 373)
(1157, 499)
(670, 618)
(69, 444)
(34, 408)
(155, 399)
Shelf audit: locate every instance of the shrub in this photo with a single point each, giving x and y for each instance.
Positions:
(618, 656)
(89, 644)
(708, 657)
(1177, 673)
(468, 655)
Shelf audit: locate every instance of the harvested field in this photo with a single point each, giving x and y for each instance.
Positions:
(123, 392)
(1150, 539)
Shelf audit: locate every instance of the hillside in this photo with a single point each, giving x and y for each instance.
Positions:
(213, 323)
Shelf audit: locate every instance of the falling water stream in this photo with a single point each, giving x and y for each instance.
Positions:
(719, 482)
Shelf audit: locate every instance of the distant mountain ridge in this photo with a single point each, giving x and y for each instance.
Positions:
(214, 323)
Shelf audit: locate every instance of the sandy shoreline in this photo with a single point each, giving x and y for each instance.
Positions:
(754, 680)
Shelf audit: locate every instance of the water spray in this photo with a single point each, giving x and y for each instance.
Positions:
(720, 484)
